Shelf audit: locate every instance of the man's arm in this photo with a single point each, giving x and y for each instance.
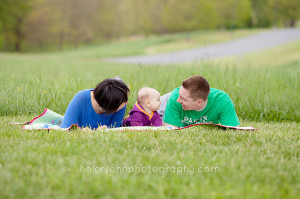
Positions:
(228, 116)
(172, 113)
(166, 124)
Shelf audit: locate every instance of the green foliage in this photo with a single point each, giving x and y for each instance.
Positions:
(12, 16)
(1, 34)
(233, 14)
(261, 13)
(41, 25)
(289, 11)
(275, 12)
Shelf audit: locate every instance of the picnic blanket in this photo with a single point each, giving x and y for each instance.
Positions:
(168, 128)
(50, 120)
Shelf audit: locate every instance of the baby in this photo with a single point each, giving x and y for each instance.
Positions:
(144, 112)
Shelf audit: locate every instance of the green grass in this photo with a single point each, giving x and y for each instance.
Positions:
(255, 164)
(260, 164)
(30, 84)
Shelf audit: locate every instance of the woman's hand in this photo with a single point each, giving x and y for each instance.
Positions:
(87, 130)
(100, 128)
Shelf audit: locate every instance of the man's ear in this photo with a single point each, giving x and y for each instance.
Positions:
(199, 102)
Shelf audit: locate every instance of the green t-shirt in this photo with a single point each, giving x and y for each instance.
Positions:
(219, 110)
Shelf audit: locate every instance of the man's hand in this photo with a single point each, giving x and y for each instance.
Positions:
(166, 124)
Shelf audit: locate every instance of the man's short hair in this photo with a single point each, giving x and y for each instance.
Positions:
(197, 86)
(110, 94)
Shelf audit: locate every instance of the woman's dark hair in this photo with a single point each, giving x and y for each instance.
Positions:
(110, 94)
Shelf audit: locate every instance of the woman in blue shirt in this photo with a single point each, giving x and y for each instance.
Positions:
(93, 108)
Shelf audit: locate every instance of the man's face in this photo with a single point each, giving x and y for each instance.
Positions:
(186, 101)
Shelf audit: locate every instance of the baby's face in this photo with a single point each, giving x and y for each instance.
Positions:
(154, 101)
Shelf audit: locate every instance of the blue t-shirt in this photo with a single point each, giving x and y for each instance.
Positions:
(80, 111)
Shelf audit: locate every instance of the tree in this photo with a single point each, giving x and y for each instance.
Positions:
(57, 24)
(289, 11)
(233, 13)
(12, 15)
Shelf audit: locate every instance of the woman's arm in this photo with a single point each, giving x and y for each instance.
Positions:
(117, 118)
(73, 112)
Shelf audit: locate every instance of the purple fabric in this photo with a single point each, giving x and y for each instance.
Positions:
(138, 118)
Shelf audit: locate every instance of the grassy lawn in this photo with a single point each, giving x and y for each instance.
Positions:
(283, 56)
(198, 162)
(153, 44)
(232, 164)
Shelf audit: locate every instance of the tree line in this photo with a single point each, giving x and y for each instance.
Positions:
(30, 25)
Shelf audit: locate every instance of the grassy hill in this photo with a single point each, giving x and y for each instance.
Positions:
(197, 162)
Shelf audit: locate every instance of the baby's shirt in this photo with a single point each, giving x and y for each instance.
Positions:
(139, 117)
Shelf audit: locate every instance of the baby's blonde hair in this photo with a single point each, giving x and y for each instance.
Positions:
(144, 94)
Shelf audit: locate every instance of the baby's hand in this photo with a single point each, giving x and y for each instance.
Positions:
(101, 128)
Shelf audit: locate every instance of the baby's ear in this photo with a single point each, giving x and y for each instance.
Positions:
(147, 103)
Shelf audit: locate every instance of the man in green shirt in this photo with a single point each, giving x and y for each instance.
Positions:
(195, 102)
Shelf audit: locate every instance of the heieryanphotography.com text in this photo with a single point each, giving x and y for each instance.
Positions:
(149, 169)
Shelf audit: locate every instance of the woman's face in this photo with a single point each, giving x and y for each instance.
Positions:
(122, 105)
